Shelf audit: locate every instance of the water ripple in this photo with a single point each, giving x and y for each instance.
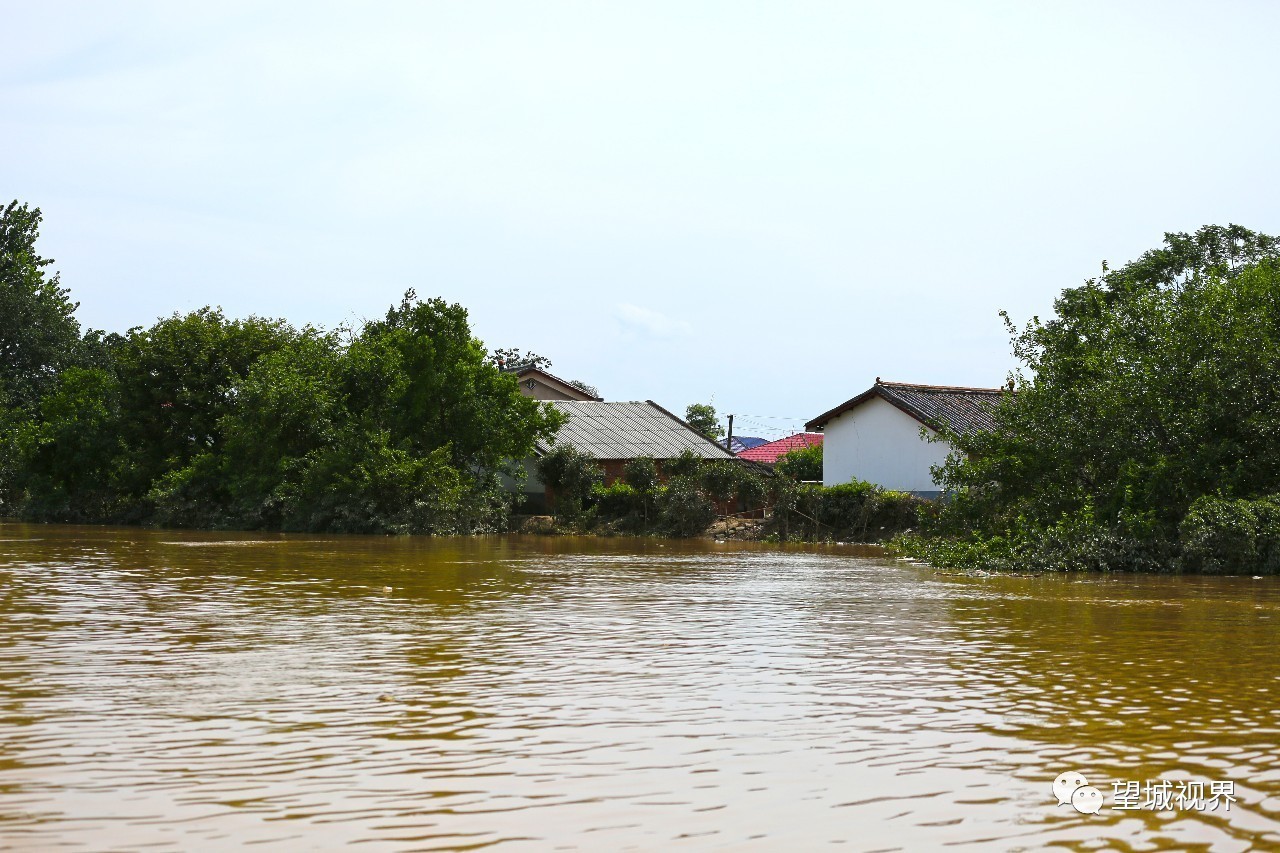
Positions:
(208, 691)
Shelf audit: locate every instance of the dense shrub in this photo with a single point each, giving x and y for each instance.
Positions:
(683, 508)
(1142, 423)
(687, 464)
(856, 511)
(719, 479)
(572, 475)
(1076, 542)
(847, 510)
(796, 507)
(641, 474)
(621, 503)
(802, 464)
(1226, 536)
(751, 488)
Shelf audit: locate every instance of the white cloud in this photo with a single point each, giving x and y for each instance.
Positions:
(649, 323)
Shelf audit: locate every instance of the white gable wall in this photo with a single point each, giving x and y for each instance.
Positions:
(878, 442)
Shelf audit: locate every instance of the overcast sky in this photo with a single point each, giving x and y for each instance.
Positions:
(761, 205)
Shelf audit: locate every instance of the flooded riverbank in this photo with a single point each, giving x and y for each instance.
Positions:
(196, 691)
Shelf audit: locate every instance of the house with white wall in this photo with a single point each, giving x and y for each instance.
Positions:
(876, 436)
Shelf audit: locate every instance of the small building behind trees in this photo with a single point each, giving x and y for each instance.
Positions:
(876, 436)
(614, 433)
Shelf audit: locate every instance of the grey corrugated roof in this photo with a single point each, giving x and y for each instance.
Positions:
(628, 430)
(964, 410)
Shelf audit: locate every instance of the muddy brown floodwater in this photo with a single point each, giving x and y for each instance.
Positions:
(205, 691)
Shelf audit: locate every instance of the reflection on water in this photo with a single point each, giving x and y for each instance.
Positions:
(204, 691)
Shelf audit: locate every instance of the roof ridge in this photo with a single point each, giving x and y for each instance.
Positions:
(914, 399)
(918, 387)
(791, 436)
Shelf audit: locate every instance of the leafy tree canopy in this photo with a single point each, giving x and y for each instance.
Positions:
(1152, 387)
(453, 395)
(39, 334)
(583, 386)
(802, 464)
(702, 417)
(201, 419)
(514, 358)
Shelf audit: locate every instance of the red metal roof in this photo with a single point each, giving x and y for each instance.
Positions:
(770, 452)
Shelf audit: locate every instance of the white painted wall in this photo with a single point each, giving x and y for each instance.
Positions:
(880, 443)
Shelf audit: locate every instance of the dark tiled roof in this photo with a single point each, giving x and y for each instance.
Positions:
(964, 410)
(770, 452)
(745, 442)
(628, 430)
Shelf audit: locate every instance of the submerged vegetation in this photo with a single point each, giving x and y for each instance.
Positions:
(1144, 433)
(684, 496)
(402, 425)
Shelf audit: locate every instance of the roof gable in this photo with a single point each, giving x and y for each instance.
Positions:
(963, 410)
(628, 430)
(564, 387)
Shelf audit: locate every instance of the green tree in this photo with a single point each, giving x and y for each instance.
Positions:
(176, 381)
(719, 478)
(69, 455)
(1151, 388)
(10, 459)
(403, 430)
(453, 395)
(514, 358)
(687, 464)
(802, 464)
(702, 417)
(204, 420)
(683, 508)
(39, 334)
(288, 410)
(572, 475)
(641, 474)
(583, 386)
